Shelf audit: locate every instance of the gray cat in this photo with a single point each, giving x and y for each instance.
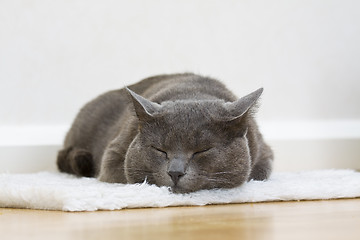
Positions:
(184, 131)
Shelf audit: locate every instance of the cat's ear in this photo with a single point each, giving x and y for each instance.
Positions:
(145, 109)
(237, 109)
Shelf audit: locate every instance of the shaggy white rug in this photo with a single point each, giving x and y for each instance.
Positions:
(58, 191)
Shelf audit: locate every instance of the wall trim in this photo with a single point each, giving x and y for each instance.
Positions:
(311, 130)
(50, 135)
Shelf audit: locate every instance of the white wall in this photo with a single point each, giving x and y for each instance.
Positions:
(57, 55)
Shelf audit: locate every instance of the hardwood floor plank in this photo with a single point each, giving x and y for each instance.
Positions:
(333, 219)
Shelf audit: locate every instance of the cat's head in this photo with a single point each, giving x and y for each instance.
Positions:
(191, 145)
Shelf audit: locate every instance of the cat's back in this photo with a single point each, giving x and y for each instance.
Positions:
(187, 86)
(98, 121)
(94, 125)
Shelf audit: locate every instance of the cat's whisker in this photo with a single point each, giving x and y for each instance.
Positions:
(222, 173)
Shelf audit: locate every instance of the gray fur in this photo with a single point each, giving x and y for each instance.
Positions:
(184, 131)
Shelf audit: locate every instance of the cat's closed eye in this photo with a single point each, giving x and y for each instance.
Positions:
(159, 150)
(204, 150)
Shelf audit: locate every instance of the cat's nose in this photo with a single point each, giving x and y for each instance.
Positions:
(175, 175)
(176, 169)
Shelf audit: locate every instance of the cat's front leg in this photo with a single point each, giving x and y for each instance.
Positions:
(261, 170)
(112, 167)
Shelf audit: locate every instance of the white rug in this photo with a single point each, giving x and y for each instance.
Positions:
(58, 191)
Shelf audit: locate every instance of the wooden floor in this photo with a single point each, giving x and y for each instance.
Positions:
(335, 219)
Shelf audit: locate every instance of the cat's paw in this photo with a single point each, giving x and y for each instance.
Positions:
(262, 170)
(81, 162)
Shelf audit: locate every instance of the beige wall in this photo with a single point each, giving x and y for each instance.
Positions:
(56, 55)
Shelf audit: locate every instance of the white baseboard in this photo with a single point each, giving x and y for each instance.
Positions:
(30, 135)
(311, 130)
(297, 145)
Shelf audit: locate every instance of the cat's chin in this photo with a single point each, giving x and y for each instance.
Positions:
(180, 190)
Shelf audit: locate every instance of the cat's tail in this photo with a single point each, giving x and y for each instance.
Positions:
(76, 161)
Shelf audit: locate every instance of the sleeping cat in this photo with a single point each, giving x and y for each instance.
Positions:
(184, 131)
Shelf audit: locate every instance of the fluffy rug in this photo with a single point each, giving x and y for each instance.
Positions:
(58, 191)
